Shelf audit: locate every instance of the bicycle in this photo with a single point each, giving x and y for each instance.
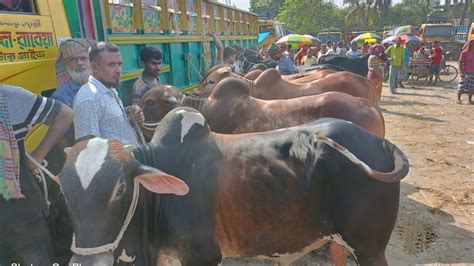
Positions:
(447, 73)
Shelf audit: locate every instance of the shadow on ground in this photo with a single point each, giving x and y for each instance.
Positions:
(414, 116)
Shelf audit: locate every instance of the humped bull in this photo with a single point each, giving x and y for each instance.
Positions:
(270, 86)
(231, 109)
(258, 194)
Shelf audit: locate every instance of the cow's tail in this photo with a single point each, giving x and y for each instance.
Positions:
(401, 164)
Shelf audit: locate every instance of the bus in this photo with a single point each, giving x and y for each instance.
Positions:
(31, 30)
(442, 32)
(272, 31)
(334, 37)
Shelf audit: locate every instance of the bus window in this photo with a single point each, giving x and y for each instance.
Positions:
(434, 31)
(279, 30)
(18, 6)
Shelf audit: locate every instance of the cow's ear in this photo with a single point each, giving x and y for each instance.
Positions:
(160, 182)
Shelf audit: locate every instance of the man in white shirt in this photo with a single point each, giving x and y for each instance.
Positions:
(354, 51)
(98, 110)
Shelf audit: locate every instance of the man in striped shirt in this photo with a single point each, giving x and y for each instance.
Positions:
(98, 111)
(150, 58)
(24, 232)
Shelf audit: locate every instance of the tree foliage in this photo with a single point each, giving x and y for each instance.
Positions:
(266, 8)
(313, 16)
(408, 14)
(310, 16)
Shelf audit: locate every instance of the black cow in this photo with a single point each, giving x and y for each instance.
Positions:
(253, 194)
(356, 65)
(321, 67)
(97, 184)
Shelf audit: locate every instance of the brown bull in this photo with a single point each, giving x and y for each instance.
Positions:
(296, 78)
(231, 109)
(308, 76)
(270, 85)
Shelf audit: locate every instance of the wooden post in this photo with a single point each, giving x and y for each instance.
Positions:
(184, 17)
(238, 27)
(210, 11)
(138, 22)
(108, 22)
(164, 15)
(197, 4)
(222, 21)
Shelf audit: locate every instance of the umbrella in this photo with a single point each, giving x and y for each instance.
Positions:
(411, 38)
(408, 29)
(295, 39)
(367, 37)
(262, 36)
(313, 39)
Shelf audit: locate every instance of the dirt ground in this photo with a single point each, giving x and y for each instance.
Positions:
(435, 220)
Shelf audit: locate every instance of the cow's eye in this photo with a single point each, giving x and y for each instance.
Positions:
(149, 102)
(211, 82)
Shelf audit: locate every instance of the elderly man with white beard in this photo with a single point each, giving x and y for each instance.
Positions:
(74, 54)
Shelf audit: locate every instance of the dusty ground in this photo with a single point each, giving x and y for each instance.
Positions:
(435, 221)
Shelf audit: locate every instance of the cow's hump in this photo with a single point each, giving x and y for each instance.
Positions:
(229, 88)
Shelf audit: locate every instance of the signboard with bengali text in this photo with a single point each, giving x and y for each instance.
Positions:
(26, 38)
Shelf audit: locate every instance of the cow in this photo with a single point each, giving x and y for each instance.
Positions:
(307, 74)
(258, 194)
(99, 193)
(356, 65)
(270, 85)
(230, 108)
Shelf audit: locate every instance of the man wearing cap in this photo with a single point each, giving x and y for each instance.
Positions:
(75, 59)
(285, 66)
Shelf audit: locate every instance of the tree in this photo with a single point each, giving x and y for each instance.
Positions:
(266, 8)
(296, 15)
(361, 16)
(368, 15)
(467, 6)
(408, 14)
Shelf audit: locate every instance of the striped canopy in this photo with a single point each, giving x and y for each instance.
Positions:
(406, 38)
(367, 37)
(408, 29)
(295, 39)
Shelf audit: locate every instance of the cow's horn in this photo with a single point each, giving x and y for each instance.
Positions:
(401, 164)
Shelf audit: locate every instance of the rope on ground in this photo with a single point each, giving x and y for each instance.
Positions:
(426, 198)
(460, 207)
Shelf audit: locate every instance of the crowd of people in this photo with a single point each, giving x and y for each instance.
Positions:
(398, 56)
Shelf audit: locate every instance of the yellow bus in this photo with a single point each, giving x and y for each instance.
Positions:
(333, 37)
(442, 32)
(274, 30)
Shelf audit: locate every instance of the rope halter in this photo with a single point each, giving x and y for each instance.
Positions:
(111, 246)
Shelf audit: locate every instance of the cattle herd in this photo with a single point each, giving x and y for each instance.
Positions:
(255, 166)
